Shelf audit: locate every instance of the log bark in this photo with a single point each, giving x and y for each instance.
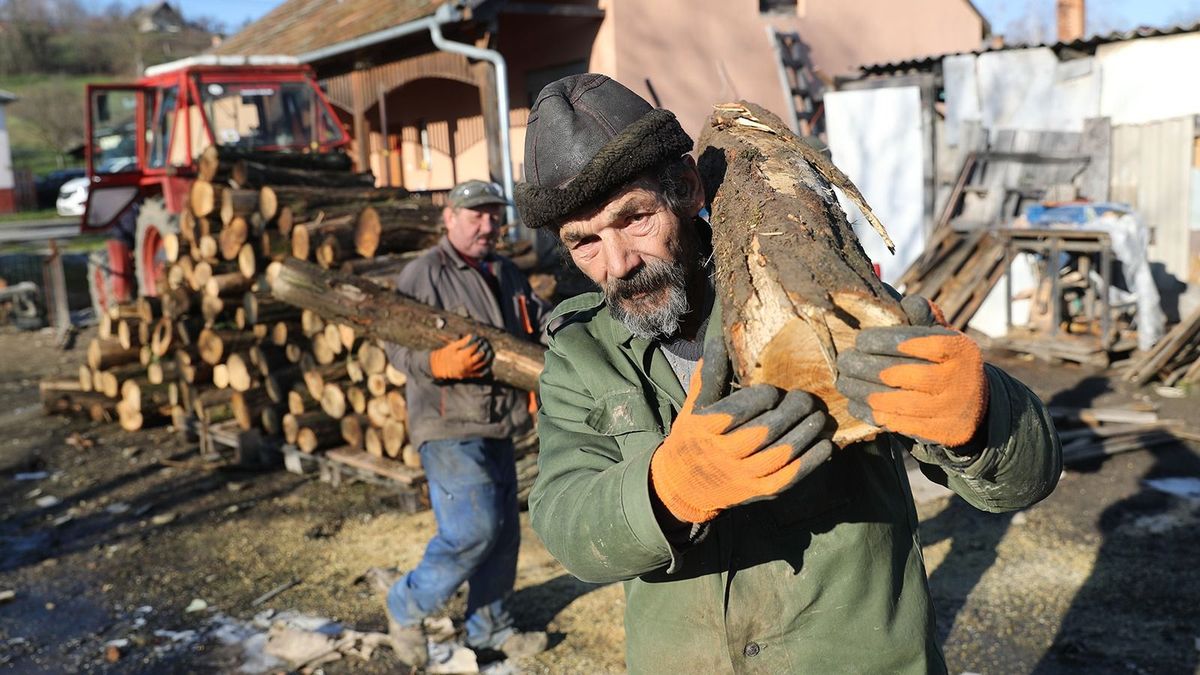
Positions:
(299, 401)
(280, 381)
(238, 203)
(403, 227)
(383, 314)
(264, 308)
(307, 236)
(161, 371)
(247, 407)
(213, 345)
(794, 283)
(105, 354)
(64, 397)
(382, 267)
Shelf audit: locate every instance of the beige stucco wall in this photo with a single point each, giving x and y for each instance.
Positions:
(694, 53)
(683, 54)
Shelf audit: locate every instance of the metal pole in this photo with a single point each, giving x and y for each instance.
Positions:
(1055, 300)
(383, 133)
(1008, 258)
(445, 14)
(1106, 275)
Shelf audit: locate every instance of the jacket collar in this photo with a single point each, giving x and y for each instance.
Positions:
(453, 256)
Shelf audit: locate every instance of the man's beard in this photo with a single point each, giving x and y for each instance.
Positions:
(657, 314)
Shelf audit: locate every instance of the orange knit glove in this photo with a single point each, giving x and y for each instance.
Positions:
(752, 444)
(924, 380)
(466, 358)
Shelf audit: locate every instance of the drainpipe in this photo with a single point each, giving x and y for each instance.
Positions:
(447, 14)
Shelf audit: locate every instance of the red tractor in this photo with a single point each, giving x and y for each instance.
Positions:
(145, 138)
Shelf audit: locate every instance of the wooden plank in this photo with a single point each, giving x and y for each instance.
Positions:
(386, 468)
(1108, 415)
(1146, 369)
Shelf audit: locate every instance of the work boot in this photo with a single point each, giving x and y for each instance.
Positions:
(408, 642)
(521, 645)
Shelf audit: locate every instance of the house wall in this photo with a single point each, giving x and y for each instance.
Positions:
(694, 54)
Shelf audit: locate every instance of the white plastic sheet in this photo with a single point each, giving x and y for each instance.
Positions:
(875, 136)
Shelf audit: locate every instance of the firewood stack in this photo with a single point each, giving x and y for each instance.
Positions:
(216, 345)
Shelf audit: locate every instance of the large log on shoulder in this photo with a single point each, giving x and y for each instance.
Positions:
(795, 285)
(381, 313)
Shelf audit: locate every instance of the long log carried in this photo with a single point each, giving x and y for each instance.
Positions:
(795, 285)
(385, 314)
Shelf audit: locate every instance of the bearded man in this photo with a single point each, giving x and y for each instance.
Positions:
(745, 541)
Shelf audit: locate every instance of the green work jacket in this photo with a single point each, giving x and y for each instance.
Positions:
(826, 578)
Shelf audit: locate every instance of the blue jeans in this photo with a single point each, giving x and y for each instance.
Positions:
(473, 488)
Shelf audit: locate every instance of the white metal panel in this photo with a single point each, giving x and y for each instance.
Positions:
(875, 136)
(6, 172)
(1030, 89)
(962, 94)
(1151, 170)
(1150, 79)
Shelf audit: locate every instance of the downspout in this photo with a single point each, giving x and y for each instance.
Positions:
(447, 14)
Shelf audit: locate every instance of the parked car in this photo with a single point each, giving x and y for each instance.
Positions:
(48, 185)
(72, 197)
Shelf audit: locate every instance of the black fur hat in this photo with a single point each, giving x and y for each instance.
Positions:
(588, 136)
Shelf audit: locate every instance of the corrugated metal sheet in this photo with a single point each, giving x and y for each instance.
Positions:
(1087, 45)
(1151, 170)
(300, 26)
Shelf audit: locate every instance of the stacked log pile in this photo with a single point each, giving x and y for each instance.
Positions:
(216, 345)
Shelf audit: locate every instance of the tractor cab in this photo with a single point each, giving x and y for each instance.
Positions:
(145, 136)
(144, 139)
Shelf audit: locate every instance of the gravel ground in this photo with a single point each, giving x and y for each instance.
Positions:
(1098, 578)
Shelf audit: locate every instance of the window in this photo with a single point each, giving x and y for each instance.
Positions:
(267, 115)
(160, 128)
(115, 130)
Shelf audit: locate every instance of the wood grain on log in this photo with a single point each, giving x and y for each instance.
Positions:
(795, 285)
(383, 314)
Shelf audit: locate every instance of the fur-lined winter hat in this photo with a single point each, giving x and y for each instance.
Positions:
(588, 136)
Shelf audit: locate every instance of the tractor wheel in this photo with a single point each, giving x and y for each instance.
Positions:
(154, 223)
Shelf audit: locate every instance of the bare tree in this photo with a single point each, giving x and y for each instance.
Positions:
(54, 110)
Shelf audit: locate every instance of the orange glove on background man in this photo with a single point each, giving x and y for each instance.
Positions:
(752, 444)
(924, 380)
(466, 358)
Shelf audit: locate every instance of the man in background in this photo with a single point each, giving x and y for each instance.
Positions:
(463, 421)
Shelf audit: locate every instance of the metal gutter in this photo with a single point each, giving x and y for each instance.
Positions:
(445, 14)
(497, 60)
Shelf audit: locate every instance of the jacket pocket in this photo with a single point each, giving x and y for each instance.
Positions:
(628, 418)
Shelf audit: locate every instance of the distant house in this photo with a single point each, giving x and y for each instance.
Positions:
(8, 200)
(425, 118)
(159, 17)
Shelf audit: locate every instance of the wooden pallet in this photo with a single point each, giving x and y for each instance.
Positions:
(343, 465)
(251, 449)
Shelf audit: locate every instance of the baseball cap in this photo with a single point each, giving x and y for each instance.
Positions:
(472, 193)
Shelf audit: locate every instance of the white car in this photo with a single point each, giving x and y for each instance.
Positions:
(72, 197)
